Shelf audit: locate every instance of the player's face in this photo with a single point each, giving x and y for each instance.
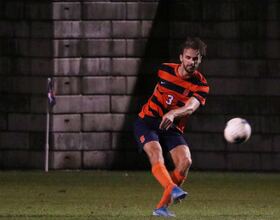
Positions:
(190, 60)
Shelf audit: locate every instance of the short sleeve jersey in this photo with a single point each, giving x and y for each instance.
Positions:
(172, 92)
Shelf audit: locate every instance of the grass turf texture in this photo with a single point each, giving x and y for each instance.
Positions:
(103, 195)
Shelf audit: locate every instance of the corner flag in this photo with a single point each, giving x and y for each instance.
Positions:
(51, 96)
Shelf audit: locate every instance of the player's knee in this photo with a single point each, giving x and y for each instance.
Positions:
(188, 162)
(154, 153)
(185, 163)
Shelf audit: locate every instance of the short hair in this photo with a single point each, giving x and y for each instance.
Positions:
(194, 43)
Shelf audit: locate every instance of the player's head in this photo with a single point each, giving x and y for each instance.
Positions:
(194, 43)
(191, 53)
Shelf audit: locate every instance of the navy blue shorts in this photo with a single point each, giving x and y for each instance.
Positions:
(147, 129)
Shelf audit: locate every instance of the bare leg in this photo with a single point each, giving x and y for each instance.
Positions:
(181, 157)
(154, 152)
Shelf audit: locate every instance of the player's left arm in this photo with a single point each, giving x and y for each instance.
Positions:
(190, 107)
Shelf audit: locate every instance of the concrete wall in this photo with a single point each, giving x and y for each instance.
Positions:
(103, 56)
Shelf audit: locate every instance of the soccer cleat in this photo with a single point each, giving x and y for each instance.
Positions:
(178, 194)
(163, 212)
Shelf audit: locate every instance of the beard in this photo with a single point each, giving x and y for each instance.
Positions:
(190, 69)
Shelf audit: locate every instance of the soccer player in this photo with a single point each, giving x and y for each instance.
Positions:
(181, 89)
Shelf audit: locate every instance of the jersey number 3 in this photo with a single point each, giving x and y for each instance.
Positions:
(169, 100)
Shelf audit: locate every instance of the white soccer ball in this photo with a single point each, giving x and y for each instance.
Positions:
(237, 131)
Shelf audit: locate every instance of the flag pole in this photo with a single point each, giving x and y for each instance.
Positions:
(47, 139)
(50, 103)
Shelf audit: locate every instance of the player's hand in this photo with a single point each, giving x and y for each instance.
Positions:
(167, 120)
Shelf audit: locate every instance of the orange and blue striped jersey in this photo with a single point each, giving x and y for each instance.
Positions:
(173, 92)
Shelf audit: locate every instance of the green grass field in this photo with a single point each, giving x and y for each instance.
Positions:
(132, 196)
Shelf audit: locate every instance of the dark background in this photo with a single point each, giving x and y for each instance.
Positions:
(103, 57)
